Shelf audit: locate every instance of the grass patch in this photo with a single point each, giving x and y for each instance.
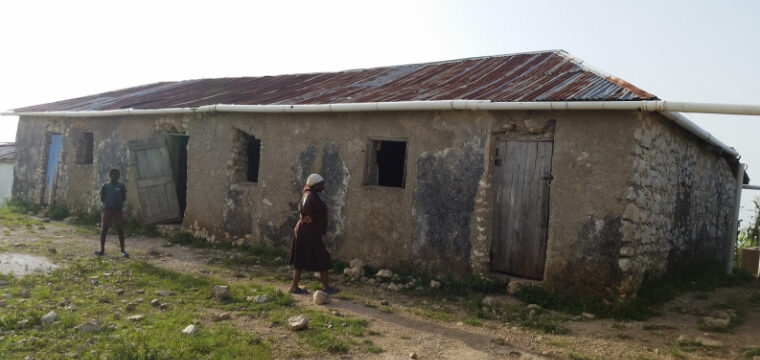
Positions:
(749, 352)
(577, 356)
(325, 332)
(538, 320)
(158, 335)
(654, 292)
(57, 212)
(371, 348)
(245, 254)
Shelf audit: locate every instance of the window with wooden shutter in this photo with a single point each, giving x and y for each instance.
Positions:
(84, 146)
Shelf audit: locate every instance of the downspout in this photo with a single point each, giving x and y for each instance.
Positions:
(735, 220)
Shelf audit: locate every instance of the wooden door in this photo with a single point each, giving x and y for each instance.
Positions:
(51, 170)
(155, 183)
(521, 187)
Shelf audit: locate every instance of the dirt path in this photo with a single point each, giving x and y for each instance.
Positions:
(401, 332)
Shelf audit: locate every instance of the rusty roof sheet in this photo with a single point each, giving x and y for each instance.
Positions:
(540, 76)
(7, 151)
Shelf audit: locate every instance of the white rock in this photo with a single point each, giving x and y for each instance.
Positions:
(260, 299)
(354, 272)
(356, 263)
(533, 307)
(88, 327)
(135, 317)
(223, 316)
(395, 287)
(298, 322)
(413, 355)
(320, 297)
(384, 274)
(434, 284)
(49, 318)
(588, 316)
(708, 342)
(221, 292)
(190, 330)
(625, 264)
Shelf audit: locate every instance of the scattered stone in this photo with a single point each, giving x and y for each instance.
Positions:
(533, 307)
(49, 318)
(588, 316)
(221, 292)
(353, 272)
(140, 291)
(53, 251)
(395, 287)
(155, 303)
(163, 306)
(135, 317)
(492, 301)
(119, 292)
(104, 300)
(384, 274)
(625, 264)
(190, 330)
(223, 316)
(25, 293)
(435, 284)
(335, 313)
(260, 299)
(3, 303)
(371, 281)
(356, 263)
(164, 293)
(131, 306)
(88, 327)
(499, 341)
(297, 322)
(412, 355)
(706, 342)
(384, 302)
(320, 297)
(94, 280)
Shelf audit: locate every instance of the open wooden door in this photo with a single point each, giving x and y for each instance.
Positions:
(521, 212)
(155, 183)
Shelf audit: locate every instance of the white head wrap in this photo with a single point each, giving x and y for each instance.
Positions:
(314, 179)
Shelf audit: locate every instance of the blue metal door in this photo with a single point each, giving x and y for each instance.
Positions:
(54, 155)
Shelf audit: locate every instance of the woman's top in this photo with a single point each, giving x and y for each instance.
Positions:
(313, 207)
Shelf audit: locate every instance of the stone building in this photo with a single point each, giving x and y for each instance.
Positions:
(529, 166)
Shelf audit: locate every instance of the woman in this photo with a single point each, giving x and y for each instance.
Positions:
(307, 252)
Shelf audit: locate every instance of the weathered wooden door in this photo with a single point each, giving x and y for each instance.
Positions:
(521, 187)
(155, 183)
(51, 170)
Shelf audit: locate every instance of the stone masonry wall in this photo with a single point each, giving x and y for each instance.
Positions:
(680, 204)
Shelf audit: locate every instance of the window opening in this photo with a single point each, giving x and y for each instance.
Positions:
(387, 163)
(84, 146)
(253, 153)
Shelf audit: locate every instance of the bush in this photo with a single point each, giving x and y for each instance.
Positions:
(57, 212)
(22, 207)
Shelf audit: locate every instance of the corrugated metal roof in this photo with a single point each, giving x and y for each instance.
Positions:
(7, 151)
(540, 76)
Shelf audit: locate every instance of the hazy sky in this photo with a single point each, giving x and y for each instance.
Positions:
(704, 51)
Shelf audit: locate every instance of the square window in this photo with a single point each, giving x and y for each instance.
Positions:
(387, 163)
(84, 145)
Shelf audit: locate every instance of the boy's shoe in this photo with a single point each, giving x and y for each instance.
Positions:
(100, 252)
(124, 254)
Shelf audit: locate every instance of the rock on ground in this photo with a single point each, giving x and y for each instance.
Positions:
(49, 318)
(298, 322)
(320, 297)
(435, 284)
(384, 274)
(136, 317)
(190, 330)
(88, 327)
(221, 292)
(223, 316)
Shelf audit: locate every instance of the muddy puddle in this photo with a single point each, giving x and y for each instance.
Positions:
(22, 264)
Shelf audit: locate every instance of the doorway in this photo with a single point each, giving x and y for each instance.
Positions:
(178, 154)
(522, 172)
(55, 145)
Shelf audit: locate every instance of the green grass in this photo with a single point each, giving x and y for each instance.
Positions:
(325, 332)
(577, 356)
(647, 302)
(749, 352)
(371, 348)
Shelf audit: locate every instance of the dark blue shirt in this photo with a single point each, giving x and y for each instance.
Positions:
(113, 195)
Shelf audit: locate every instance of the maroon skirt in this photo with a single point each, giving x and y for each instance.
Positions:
(308, 252)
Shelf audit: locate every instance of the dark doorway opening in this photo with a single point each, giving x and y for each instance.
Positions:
(388, 166)
(253, 152)
(178, 152)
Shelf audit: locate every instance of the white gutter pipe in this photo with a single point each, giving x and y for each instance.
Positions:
(751, 187)
(668, 108)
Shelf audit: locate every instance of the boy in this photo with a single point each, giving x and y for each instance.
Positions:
(112, 195)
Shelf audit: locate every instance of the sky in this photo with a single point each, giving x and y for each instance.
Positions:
(698, 51)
